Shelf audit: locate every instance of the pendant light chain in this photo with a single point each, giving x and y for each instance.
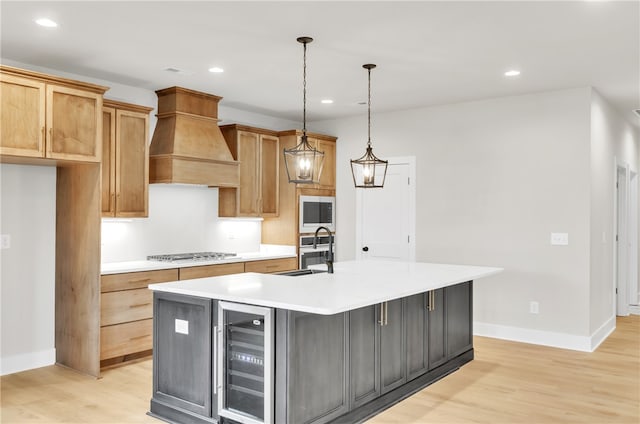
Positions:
(304, 91)
(369, 112)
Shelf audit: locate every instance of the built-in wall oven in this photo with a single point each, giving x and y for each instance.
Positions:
(318, 255)
(244, 371)
(316, 211)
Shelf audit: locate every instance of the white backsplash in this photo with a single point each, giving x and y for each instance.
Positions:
(182, 218)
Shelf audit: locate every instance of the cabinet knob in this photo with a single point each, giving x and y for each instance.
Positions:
(365, 249)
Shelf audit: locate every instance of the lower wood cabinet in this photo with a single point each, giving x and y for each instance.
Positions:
(269, 266)
(393, 346)
(184, 357)
(364, 355)
(436, 328)
(417, 335)
(311, 352)
(126, 314)
(204, 271)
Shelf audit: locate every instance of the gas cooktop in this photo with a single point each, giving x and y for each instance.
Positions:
(197, 256)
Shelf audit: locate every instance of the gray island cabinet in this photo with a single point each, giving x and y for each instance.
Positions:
(322, 358)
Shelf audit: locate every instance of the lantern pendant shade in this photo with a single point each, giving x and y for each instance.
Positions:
(304, 163)
(369, 171)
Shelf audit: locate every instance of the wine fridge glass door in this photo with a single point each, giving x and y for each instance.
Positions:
(245, 360)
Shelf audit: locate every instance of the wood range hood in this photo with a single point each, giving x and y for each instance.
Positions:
(187, 146)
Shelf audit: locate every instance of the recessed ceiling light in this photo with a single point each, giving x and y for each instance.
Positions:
(216, 70)
(512, 73)
(46, 22)
(326, 101)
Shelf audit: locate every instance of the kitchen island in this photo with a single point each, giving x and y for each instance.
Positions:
(317, 348)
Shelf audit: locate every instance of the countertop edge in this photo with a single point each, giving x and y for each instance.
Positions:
(141, 266)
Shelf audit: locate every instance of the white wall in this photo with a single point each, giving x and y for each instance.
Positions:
(28, 196)
(612, 139)
(181, 219)
(494, 179)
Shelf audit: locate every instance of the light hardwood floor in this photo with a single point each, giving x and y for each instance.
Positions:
(507, 383)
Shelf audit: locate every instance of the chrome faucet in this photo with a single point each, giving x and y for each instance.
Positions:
(329, 260)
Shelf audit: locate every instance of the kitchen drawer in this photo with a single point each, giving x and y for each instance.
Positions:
(271, 265)
(126, 305)
(136, 280)
(123, 339)
(211, 270)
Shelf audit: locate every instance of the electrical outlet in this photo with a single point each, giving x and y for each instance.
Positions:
(5, 241)
(533, 307)
(559, 239)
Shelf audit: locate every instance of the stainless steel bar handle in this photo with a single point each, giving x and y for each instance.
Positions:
(433, 300)
(381, 320)
(386, 313)
(220, 359)
(215, 360)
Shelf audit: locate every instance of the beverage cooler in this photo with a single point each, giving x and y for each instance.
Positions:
(244, 370)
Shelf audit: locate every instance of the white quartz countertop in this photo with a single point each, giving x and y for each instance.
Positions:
(354, 284)
(136, 266)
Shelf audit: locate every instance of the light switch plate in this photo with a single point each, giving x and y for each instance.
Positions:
(5, 241)
(182, 326)
(559, 239)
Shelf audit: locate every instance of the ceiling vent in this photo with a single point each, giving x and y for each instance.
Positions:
(179, 71)
(636, 111)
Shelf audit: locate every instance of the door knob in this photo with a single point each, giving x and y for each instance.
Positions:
(365, 249)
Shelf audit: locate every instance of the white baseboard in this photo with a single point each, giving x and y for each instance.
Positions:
(27, 361)
(546, 338)
(634, 309)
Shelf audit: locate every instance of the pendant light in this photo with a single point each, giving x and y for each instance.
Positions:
(303, 162)
(368, 171)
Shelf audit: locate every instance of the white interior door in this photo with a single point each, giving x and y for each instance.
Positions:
(386, 216)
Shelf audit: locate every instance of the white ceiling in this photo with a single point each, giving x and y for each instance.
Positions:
(428, 53)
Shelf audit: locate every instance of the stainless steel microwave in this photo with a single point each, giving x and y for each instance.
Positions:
(316, 211)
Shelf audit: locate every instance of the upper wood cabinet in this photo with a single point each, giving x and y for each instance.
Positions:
(258, 152)
(125, 159)
(49, 117)
(328, 175)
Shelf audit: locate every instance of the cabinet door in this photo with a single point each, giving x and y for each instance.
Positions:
(328, 176)
(132, 164)
(392, 347)
(417, 346)
(182, 352)
(364, 354)
(437, 335)
(22, 122)
(317, 358)
(74, 124)
(108, 161)
(249, 191)
(459, 319)
(269, 181)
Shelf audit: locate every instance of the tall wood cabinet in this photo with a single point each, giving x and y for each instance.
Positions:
(125, 160)
(258, 151)
(49, 117)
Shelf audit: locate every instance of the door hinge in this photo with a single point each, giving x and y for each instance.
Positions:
(408, 239)
(616, 237)
(616, 290)
(408, 180)
(616, 184)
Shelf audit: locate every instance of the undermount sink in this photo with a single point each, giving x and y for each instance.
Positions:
(299, 272)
